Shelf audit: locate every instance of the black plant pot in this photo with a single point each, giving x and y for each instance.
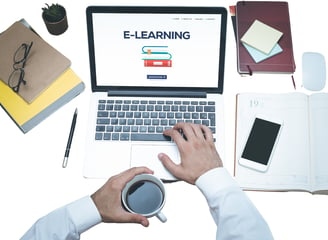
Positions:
(56, 28)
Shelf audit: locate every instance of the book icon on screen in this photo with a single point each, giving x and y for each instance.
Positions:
(156, 56)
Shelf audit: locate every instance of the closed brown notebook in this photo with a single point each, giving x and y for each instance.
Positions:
(276, 15)
(43, 66)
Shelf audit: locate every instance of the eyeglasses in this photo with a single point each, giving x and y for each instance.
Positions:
(16, 78)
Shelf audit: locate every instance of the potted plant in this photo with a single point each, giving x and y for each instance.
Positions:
(55, 18)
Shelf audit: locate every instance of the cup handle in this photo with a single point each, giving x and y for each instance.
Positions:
(161, 217)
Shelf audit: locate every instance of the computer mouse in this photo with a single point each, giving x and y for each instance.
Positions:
(313, 71)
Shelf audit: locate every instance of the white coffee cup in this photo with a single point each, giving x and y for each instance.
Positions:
(145, 195)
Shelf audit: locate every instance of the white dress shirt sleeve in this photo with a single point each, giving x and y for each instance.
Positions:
(66, 223)
(234, 214)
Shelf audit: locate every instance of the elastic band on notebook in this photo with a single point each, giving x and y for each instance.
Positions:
(293, 81)
(249, 70)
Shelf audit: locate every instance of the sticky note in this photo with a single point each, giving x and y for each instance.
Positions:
(261, 36)
(259, 56)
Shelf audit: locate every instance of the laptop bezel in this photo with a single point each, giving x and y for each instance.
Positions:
(164, 10)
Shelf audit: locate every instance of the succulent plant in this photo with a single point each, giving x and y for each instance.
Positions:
(53, 13)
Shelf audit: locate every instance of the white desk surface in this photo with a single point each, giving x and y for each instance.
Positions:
(32, 181)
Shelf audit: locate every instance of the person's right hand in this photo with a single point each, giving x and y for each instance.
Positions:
(108, 198)
(198, 153)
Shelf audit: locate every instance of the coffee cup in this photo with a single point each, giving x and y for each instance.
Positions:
(145, 195)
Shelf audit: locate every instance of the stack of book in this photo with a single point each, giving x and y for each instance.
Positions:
(263, 37)
(156, 56)
(43, 75)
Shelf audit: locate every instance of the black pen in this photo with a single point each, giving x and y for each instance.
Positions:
(70, 138)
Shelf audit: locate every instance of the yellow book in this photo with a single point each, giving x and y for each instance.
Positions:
(28, 115)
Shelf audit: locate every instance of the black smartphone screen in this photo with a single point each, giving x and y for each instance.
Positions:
(261, 140)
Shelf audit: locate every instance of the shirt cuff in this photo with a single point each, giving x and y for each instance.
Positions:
(215, 180)
(84, 214)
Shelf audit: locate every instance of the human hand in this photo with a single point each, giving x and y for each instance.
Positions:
(198, 153)
(108, 198)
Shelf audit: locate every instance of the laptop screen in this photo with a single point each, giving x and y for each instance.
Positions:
(168, 47)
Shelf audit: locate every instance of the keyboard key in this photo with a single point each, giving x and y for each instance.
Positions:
(206, 123)
(211, 117)
(199, 108)
(151, 129)
(209, 108)
(114, 121)
(99, 136)
(139, 121)
(143, 129)
(118, 129)
(109, 128)
(100, 128)
(107, 136)
(124, 136)
(195, 115)
(121, 114)
(109, 107)
(131, 121)
(115, 136)
(172, 122)
(159, 129)
(203, 116)
(162, 115)
(137, 115)
(191, 108)
(147, 121)
(164, 122)
(187, 115)
(103, 121)
(126, 128)
(129, 114)
(101, 107)
(149, 137)
(102, 114)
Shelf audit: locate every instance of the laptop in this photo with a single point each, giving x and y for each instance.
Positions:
(151, 67)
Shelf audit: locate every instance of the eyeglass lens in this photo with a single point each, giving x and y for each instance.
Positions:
(21, 54)
(17, 76)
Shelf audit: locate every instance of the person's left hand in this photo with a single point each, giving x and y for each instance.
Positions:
(108, 198)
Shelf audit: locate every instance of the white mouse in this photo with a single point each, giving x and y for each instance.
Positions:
(313, 71)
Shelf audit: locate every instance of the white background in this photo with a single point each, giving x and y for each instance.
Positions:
(32, 181)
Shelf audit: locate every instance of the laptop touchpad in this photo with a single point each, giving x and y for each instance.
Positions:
(146, 155)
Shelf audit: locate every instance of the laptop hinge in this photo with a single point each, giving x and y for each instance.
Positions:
(186, 94)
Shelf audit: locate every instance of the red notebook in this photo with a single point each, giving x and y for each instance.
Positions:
(276, 15)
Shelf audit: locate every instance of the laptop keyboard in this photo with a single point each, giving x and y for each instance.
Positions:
(145, 120)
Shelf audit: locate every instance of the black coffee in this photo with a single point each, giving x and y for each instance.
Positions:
(144, 197)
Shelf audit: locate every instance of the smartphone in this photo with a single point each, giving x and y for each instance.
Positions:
(260, 144)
